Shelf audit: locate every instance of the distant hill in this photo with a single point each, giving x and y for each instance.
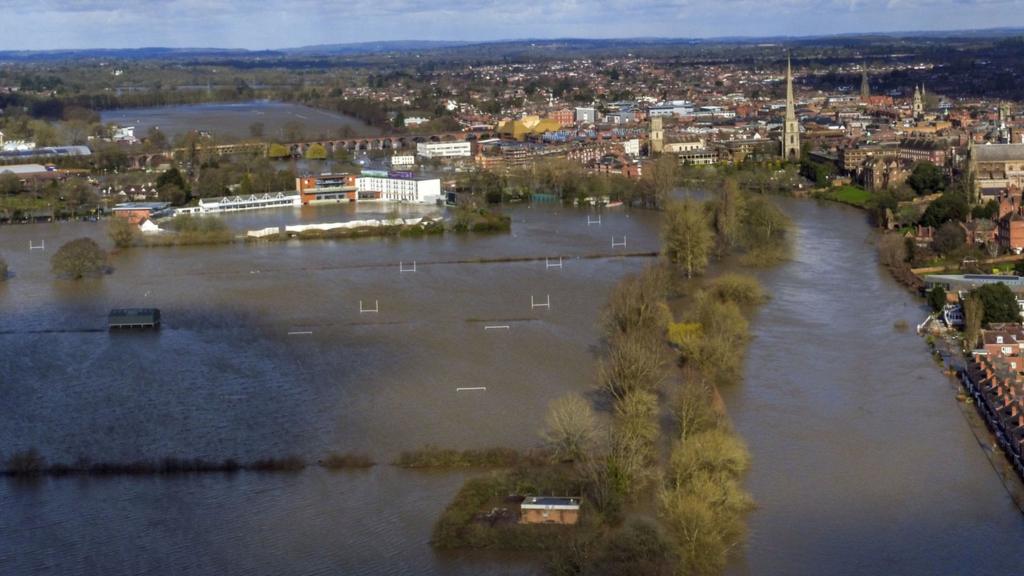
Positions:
(521, 46)
(152, 53)
(375, 47)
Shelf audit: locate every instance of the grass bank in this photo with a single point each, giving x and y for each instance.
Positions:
(849, 195)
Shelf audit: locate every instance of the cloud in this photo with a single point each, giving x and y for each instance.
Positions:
(42, 24)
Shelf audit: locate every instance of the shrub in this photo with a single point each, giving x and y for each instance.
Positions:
(26, 463)
(742, 290)
(3, 269)
(285, 464)
(713, 452)
(335, 461)
(122, 232)
(434, 457)
(79, 258)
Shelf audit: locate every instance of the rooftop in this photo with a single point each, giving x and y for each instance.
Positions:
(998, 152)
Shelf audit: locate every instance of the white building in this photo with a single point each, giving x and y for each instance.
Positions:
(444, 149)
(671, 108)
(689, 146)
(15, 145)
(417, 190)
(631, 147)
(416, 120)
(124, 134)
(586, 115)
(249, 202)
(403, 160)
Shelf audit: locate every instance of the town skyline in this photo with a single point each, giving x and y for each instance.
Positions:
(101, 24)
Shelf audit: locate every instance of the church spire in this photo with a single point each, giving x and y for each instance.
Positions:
(790, 106)
(790, 126)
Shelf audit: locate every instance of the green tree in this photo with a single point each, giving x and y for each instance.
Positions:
(173, 194)
(277, 151)
(660, 178)
(728, 208)
(998, 302)
(121, 232)
(973, 314)
(78, 193)
(316, 152)
(950, 206)
(171, 177)
(687, 237)
(926, 178)
(79, 258)
(763, 222)
(9, 183)
(937, 298)
(949, 238)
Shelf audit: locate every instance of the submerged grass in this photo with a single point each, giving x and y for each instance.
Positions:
(435, 457)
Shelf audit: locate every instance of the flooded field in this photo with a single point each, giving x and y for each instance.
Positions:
(862, 461)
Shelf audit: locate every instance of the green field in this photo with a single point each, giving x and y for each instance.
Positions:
(852, 195)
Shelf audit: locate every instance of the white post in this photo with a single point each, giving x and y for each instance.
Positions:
(42, 245)
(548, 264)
(402, 268)
(590, 220)
(616, 244)
(375, 309)
(545, 304)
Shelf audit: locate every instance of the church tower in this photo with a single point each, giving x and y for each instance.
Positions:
(790, 128)
(918, 103)
(657, 136)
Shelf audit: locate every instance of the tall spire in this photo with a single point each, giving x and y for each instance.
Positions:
(790, 126)
(790, 106)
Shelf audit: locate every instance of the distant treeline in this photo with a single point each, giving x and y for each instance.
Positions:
(30, 463)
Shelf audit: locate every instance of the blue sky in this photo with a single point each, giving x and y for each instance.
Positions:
(59, 24)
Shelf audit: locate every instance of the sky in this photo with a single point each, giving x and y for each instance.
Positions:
(268, 24)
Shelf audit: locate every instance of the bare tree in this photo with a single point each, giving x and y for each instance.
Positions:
(571, 427)
(634, 362)
(687, 237)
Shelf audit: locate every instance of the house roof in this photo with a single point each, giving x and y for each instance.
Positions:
(550, 503)
(998, 152)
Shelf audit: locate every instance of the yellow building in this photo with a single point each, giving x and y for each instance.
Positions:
(527, 125)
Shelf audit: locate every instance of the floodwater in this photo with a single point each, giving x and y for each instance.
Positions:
(234, 119)
(863, 463)
(862, 460)
(224, 379)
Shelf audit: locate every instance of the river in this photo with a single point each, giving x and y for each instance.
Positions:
(233, 120)
(862, 461)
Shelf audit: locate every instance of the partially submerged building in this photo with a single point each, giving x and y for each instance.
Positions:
(549, 510)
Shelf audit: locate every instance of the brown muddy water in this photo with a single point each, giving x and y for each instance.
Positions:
(862, 462)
